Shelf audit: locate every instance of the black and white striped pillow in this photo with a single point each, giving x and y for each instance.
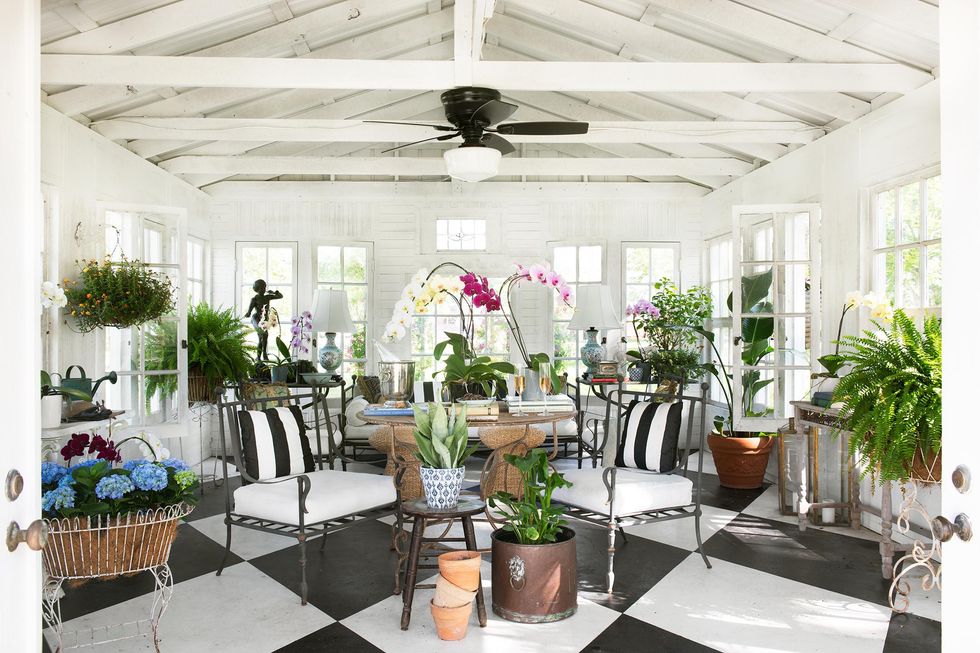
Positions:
(650, 434)
(274, 442)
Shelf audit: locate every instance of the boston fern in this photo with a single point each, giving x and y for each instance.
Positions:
(892, 397)
(531, 517)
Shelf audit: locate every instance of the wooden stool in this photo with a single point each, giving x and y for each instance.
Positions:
(421, 512)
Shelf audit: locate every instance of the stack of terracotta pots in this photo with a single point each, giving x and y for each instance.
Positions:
(456, 586)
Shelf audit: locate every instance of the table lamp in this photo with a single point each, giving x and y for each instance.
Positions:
(331, 315)
(594, 310)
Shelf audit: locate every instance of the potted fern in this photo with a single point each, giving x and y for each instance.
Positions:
(442, 443)
(533, 564)
(892, 399)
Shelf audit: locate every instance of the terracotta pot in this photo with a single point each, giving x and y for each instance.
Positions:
(534, 583)
(741, 461)
(450, 596)
(451, 623)
(926, 469)
(461, 568)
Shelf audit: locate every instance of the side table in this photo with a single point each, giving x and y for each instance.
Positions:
(599, 390)
(422, 515)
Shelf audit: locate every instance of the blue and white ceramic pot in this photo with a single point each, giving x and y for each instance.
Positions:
(442, 486)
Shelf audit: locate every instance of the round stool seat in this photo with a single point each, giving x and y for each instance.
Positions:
(466, 506)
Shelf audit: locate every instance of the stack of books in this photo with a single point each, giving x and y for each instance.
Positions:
(556, 404)
(603, 379)
(380, 410)
(488, 413)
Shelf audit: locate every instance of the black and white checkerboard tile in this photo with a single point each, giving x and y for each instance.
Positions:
(771, 588)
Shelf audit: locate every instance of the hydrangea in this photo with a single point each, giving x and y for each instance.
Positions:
(113, 486)
(66, 481)
(185, 478)
(58, 499)
(130, 465)
(178, 464)
(52, 473)
(84, 463)
(149, 477)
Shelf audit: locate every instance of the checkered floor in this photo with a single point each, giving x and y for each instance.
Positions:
(772, 588)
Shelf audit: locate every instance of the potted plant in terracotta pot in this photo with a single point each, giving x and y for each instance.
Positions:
(534, 570)
(892, 399)
(442, 443)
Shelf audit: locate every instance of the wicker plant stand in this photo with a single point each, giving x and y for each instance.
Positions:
(80, 549)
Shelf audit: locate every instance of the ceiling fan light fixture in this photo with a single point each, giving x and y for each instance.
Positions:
(474, 163)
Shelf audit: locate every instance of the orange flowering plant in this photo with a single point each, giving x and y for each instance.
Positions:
(117, 294)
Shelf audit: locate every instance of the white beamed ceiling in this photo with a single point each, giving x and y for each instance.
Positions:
(677, 92)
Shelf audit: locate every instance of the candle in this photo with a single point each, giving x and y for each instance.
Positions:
(827, 515)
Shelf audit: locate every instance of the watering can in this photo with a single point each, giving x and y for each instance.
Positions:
(82, 382)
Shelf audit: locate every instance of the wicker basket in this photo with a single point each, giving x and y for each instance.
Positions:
(108, 547)
(404, 447)
(517, 440)
(197, 387)
(926, 469)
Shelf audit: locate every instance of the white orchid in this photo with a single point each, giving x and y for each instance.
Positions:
(403, 306)
(883, 312)
(872, 300)
(394, 332)
(152, 447)
(853, 298)
(403, 320)
(52, 295)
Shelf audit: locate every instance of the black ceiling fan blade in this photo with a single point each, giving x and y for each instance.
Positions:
(444, 137)
(543, 128)
(492, 112)
(497, 143)
(442, 128)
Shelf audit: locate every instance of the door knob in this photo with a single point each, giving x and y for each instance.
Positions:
(945, 529)
(35, 535)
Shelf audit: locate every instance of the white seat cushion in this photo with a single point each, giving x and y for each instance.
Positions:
(636, 491)
(332, 494)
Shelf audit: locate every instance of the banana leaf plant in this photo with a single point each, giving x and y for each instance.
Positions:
(464, 367)
(441, 437)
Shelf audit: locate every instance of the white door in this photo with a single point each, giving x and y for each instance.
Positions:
(776, 310)
(960, 111)
(20, 206)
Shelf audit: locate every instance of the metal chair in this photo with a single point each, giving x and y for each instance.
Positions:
(613, 497)
(323, 501)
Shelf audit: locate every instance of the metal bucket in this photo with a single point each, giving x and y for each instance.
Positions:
(397, 380)
(534, 583)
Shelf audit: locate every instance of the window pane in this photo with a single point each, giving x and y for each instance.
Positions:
(911, 278)
(934, 207)
(663, 264)
(357, 299)
(637, 265)
(355, 264)
(280, 265)
(561, 310)
(565, 342)
(635, 293)
(565, 263)
(253, 264)
(328, 264)
(796, 237)
(794, 282)
(590, 264)
(885, 212)
(934, 281)
(757, 237)
(423, 334)
(911, 215)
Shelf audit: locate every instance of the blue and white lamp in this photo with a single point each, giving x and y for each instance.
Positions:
(331, 315)
(594, 312)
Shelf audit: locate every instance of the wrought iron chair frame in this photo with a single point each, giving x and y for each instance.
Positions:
(614, 523)
(302, 531)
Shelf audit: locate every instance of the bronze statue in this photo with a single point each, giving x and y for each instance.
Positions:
(260, 310)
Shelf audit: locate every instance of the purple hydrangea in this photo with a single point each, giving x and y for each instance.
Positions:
(149, 477)
(52, 473)
(58, 499)
(113, 486)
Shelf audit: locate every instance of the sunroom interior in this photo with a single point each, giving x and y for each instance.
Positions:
(569, 185)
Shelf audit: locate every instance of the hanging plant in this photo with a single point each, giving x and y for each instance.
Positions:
(117, 294)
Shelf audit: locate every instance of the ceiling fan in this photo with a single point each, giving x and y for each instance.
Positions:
(476, 115)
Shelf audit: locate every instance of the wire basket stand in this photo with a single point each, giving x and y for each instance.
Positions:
(85, 548)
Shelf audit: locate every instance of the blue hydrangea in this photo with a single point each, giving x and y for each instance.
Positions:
(130, 465)
(178, 464)
(66, 481)
(149, 477)
(113, 486)
(58, 499)
(52, 473)
(85, 463)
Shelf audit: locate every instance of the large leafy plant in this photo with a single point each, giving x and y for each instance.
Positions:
(463, 366)
(441, 437)
(117, 294)
(216, 347)
(673, 353)
(892, 396)
(531, 517)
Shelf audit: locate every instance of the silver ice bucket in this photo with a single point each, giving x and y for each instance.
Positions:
(397, 380)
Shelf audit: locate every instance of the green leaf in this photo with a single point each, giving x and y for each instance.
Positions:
(283, 349)
(755, 288)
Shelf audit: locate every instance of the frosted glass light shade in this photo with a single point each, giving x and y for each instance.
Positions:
(331, 312)
(594, 309)
(472, 163)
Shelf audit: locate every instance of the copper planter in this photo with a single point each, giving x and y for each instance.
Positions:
(534, 583)
(740, 461)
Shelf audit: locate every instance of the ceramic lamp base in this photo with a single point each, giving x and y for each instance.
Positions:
(591, 353)
(330, 355)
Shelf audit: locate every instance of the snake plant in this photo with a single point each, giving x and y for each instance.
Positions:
(441, 437)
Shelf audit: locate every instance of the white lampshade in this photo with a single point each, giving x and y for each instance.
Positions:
(473, 163)
(331, 312)
(594, 309)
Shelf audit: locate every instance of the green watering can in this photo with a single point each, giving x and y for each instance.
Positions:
(82, 382)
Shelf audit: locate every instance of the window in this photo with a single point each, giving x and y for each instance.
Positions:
(719, 276)
(578, 264)
(454, 234)
(643, 265)
(345, 267)
(195, 271)
(276, 264)
(491, 334)
(906, 257)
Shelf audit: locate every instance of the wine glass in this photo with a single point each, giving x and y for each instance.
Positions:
(544, 382)
(520, 377)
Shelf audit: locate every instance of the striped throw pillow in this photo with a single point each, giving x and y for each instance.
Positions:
(650, 434)
(274, 442)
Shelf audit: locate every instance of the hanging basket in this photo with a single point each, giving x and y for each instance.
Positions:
(197, 387)
(926, 469)
(110, 546)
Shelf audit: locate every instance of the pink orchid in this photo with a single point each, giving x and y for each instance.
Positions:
(565, 292)
(553, 279)
(523, 271)
(539, 272)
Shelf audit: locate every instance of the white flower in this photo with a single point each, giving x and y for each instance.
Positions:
(52, 295)
(403, 306)
(152, 447)
(883, 312)
(872, 299)
(420, 276)
(454, 286)
(853, 298)
(403, 320)
(394, 332)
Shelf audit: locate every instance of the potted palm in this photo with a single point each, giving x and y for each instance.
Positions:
(534, 570)
(892, 399)
(442, 443)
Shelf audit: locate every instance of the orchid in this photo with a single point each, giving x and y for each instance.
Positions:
(302, 332)
(880, 309)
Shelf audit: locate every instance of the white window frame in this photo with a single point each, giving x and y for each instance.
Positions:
(922, 243)
(475, 222)
(204, 279)
(624, 283)
(771, 424)
(367, 284)
(575, 357)
(268, 244)
(715, 323)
